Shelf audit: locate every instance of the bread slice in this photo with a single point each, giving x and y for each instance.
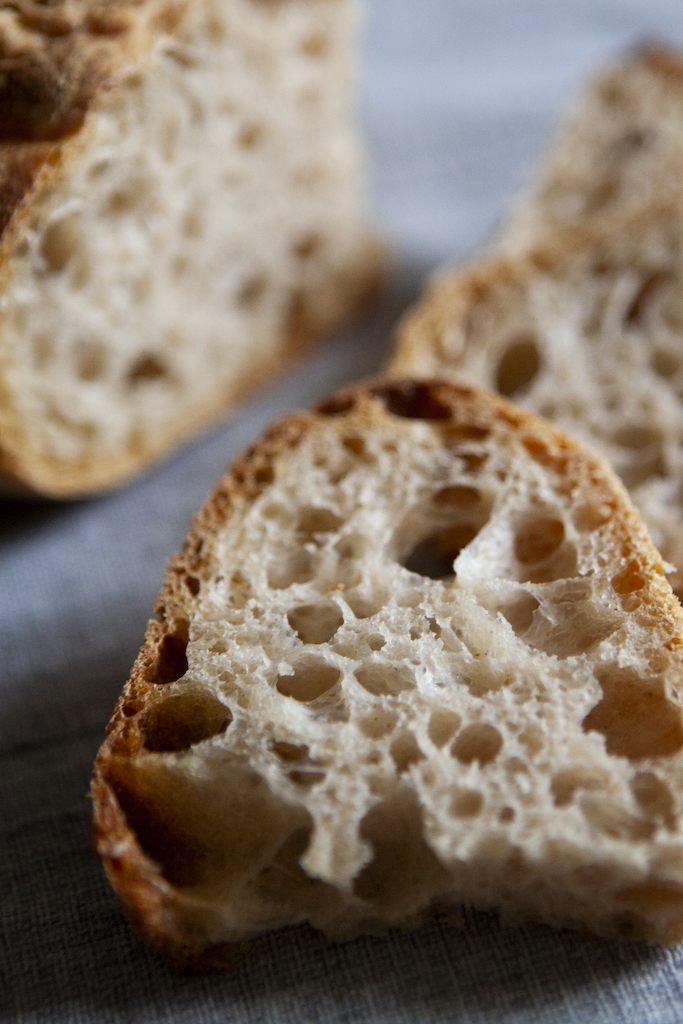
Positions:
(619, 149)
(418, 649)
(586, 330)
(182, 212)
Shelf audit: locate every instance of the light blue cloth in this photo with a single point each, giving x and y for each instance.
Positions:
(458, 99)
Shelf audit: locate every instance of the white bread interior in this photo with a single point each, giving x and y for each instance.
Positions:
(418, 650)
(586, 330)
(619, 148)
(205, 223)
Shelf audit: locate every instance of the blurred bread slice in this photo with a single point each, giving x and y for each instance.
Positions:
(182, 212)
(586, 330)
(619, 149)
(418, 650)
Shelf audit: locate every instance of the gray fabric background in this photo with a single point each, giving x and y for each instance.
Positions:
(458, 98)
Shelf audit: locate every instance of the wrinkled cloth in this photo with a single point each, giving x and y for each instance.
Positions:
(458, 100)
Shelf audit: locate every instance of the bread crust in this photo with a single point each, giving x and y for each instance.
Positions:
(55, 62)
(161, 912)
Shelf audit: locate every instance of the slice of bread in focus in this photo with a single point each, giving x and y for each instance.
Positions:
(619, 149)
(182, 212)
(418, 648)
(586, 330)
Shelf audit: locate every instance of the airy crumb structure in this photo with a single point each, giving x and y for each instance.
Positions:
(182, 211)
(418, 649)
(619, 149)
(586, 330)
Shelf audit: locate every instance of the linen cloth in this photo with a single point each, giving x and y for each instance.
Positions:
(458, 99)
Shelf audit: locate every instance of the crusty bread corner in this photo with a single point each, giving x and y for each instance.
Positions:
(418, 650)
(618, 149)
(182, 212)
(585, 330)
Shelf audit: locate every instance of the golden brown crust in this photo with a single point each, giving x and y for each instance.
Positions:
(150, 902)
(161, 913)
(54, 62)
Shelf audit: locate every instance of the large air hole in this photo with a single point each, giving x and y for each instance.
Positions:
(577, 626)
(643, 457)
(537, 539)
(146, 369)
(630, 579)
(404, 874)
(364, 606)
(296, 566)
(414, 401)
(306, 779)
(434, 556)
(591, 515)
(291, 753)
(352, 545)
(202, 828)
(355, 444)
(519, 612)
(665, 362)
(433, 533)
(565, 783)
(385, 679)
(171, 660)
(313, 521)
(637, 436)
(132, 195)
(456, 496)
(307, 245)
(310, 680)
(180, 720)
(405, 751)
(316, 623)
(443, 724)
(251, 136)
(541, 550)
(518, 365)
(466, 803)
(61, 240)
(635, 716)
(652, 795)
(477, 742)
(643, 298)
(252, 290)
(379, 724)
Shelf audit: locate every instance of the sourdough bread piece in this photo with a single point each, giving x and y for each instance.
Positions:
(418, 649)
(619, 149)
(181, 213)
(586, 330)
